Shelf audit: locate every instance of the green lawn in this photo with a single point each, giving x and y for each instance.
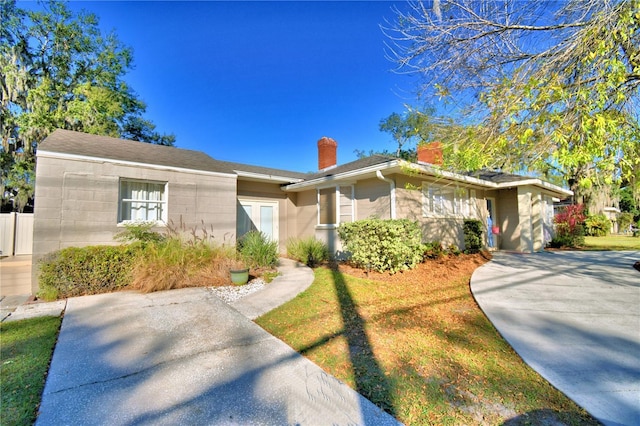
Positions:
(26, 347)
(418, 346)
(612, 242)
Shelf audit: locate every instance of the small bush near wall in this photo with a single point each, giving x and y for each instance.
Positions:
(472, 229)
(139, 232)
(383, 245)
(309, 251)
(78, 271)
(597, 225)
(569, 227)
(433, 250)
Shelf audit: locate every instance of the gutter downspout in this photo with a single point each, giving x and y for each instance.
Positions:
(392, 190)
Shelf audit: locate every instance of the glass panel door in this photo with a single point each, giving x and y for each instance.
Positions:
(266, 221)
(257, 215)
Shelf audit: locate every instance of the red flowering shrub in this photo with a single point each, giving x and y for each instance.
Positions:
(569, 227)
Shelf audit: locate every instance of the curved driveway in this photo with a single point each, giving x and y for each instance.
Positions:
(574, 317)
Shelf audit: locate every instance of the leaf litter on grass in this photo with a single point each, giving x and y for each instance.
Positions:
(417, 345)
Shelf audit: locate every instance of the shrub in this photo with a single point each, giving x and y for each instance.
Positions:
(625, 220)
(78, 271)
(309, 251)
(139, 232)
(569, 227)
(433, 250)
(383, 245)
(597, 225)
(257, 250)
(472, 229)
(454, 250)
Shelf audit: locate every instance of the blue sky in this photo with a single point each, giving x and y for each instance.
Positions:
(261, 82)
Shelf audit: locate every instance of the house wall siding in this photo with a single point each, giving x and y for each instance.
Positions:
(507, 206)
(307, 213)
(447, 230)
(372, 199)
(78, 202)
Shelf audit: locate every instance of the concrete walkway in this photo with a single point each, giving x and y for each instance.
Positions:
(574, 317)
(186, 357)
(15, 283)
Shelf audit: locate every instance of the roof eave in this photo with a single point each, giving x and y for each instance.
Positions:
(260, 177)
(60, 155)
(536, 182)
(346, 176)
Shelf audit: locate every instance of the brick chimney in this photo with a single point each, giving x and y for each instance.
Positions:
(327, 156)
(430, 153)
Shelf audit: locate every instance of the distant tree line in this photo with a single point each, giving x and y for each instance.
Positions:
(59, 71)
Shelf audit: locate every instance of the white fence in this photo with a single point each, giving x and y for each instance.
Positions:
(16, 233)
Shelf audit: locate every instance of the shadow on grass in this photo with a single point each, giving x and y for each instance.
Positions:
(369, 377)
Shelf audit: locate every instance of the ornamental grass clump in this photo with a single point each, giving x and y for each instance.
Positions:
(309, 251)
(383, 245)
(257, 250)
(174, 263)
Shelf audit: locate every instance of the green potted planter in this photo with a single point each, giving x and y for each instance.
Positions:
(239, 276)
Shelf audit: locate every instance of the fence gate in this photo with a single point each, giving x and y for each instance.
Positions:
(16, 233)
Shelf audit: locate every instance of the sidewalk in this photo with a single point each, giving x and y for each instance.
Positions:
(186, 357)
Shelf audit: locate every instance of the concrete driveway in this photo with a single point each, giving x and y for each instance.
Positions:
(574, 317)
(185, 357)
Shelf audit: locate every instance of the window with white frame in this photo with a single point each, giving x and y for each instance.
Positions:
(445, 201)
(335, 205)
(142, 201)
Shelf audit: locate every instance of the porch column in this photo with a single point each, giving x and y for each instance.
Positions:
(525, 218)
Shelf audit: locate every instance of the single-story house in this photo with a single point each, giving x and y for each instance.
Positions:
(88, 186)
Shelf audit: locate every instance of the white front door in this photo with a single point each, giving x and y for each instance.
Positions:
(258, 216)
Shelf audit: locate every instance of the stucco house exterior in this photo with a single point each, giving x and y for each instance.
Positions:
(88, 186)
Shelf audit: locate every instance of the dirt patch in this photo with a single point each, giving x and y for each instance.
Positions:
(428, 271)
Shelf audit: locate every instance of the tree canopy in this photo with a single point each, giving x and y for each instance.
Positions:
(59, 71)
(548, 88)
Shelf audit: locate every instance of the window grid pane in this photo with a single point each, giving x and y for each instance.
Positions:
(142, 201)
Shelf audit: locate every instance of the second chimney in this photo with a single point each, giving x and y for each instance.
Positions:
(430, 153)
(327, 156)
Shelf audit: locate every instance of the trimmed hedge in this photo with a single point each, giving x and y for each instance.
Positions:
(76, 271)
(472, 229)
(383, 245)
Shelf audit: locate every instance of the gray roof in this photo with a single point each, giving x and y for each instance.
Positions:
(497, 176)
(265, 170)
(83, 144)
(354, 165)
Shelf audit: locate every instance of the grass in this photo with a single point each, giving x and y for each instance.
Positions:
(612, 242)
(420, 349)
(26, 348)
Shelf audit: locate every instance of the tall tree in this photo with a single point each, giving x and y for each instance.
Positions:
(412, 127)
(60, 71)
(544, 87)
